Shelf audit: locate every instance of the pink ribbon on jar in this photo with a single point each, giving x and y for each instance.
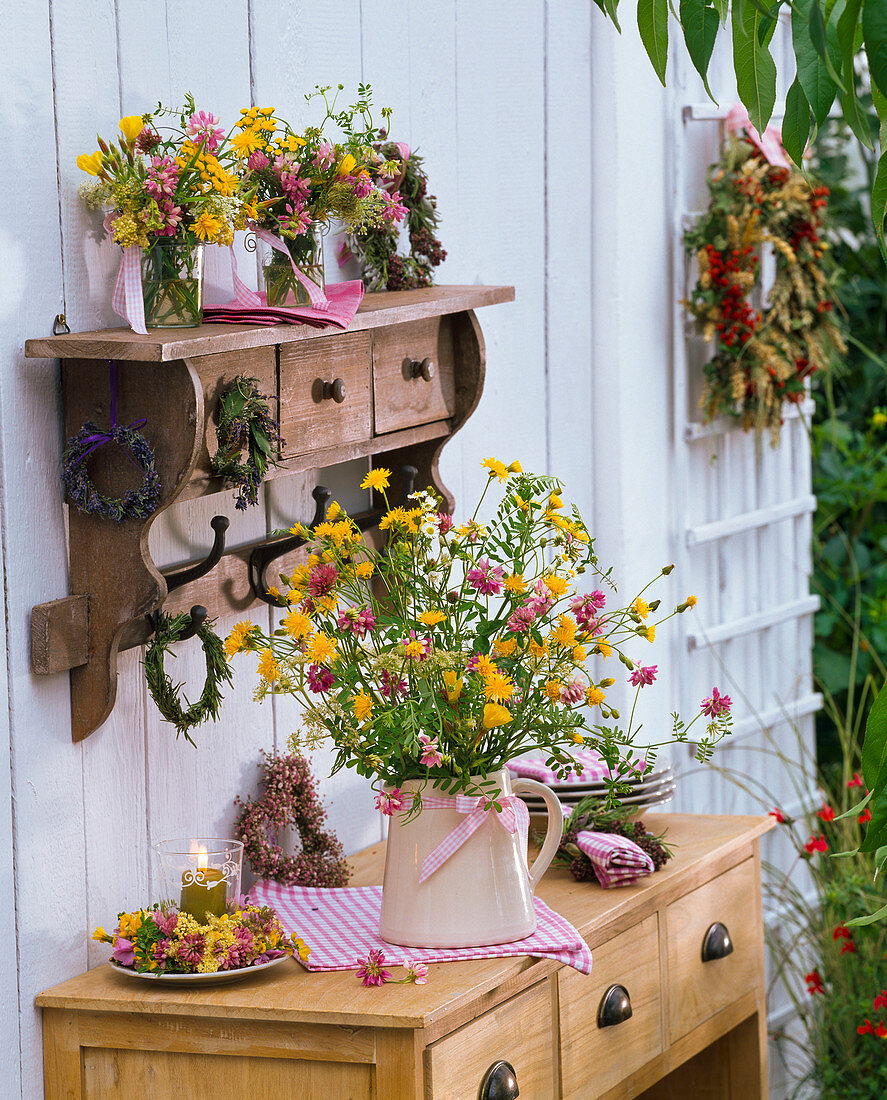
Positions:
(514, 818)
(318, 299)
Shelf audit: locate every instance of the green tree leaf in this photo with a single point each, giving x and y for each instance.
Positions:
(653, 26)
(874, 747)
(876, 830)
(609, 7)
(796, 124)
(856, 120)
(700, 24)
(879, 210)
(755, 68)
(874, 30)
(819, 88)
(723, 9)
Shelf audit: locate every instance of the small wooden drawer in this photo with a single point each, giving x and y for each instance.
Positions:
(313, 375)
(519, 1031)
(403, 396)
(698, 989)
(595, 1058)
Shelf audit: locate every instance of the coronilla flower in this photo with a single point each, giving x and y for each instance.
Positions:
(716, 705)
(320, 679)
(360, 621)
(643, 675)
(486, 578)
(389, 802)
(203, 129)
(431, 755)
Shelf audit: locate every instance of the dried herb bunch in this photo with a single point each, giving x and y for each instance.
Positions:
(245, 424)
(591, 813)
(762, 357)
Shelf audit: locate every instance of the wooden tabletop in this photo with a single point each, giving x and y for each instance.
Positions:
(163, 345)
(706, 845)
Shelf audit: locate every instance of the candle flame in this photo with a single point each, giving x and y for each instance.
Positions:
(199, 851)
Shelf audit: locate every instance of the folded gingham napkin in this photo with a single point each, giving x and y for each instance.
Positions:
(341, 926)
(344, 298)
(617, 861)
(594, 770)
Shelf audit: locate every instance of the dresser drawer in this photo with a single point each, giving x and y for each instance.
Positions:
(520, 1031)
(698, 989)
(314, 375)
(413, 379)
(596, 1058)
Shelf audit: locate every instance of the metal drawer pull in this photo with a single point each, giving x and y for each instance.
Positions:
(615, 1007)
(716, 943)
(499, 1083)
(335, 390)
(425, 369)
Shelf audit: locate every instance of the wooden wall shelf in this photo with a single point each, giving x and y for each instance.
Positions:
(175, 378)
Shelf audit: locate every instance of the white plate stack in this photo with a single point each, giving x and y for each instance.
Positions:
(654, 788)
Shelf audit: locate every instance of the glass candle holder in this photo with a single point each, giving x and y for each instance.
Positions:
(201, 875)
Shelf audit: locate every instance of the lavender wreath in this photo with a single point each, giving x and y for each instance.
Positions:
(290, 798)
(138, 503)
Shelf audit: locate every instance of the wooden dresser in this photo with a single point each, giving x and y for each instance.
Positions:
(696, 1029)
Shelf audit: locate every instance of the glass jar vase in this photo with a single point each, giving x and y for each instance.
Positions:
(172, 283)
(200, 876)
(282, 286)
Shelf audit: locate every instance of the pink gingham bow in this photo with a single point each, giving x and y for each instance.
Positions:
(514, 817)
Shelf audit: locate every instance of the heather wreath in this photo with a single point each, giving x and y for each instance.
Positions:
(458, 647)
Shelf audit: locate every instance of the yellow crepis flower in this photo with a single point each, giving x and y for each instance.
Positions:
(362, 705)
(498, 688)
(495, 715)
(268, 668)
(321, 649)
(234, 641)
(131, 127)
(691, 601)
(297, 624)
(514, 582)
(432, 618)
(496, 468)
(365, 569)
(334, 510)
(538, 649)
(565, 632)
(377, 479)
(504, 647)
(594, 696)
(557, 586)
(553, 689)
(579, 654)
(555, 502)
(101, 935)
(641, 608)
(650, 633)
(484, 666)
(578, 739)
(515, 467)
(603, 648)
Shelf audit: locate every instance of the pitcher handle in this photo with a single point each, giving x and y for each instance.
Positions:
(554, 831)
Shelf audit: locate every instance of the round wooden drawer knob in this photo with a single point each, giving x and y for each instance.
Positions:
(716, 943)
(424, 369)
(615, 1007)
(335, 390)
(499, 1083)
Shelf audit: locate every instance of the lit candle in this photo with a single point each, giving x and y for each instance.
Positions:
(204, 890)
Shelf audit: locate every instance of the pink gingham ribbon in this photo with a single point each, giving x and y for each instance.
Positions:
(316, 295)
(128, 301)
(515, 818)
(769, 144)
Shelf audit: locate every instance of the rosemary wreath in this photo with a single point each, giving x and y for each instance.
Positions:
(138, 503)
(376, 249)
(290, 798)
(763, 357)
(166, 694)
(245, 424)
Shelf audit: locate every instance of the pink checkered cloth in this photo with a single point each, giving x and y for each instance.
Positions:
(594, 768)
(616, 860)
(341, 926)
(344, 298)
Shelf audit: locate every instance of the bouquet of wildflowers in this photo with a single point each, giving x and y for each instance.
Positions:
(457, 648)
(162, 940)
(296, 179)
(168, 173)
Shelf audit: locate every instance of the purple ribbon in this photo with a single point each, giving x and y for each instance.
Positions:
(98, 439)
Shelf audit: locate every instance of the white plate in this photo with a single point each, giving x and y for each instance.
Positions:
(602, 788)
(572, 797)
(664, 792)
(633, 780)
(220, 977)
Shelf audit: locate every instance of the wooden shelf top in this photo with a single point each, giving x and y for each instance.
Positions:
(163, 345)
(706, 845)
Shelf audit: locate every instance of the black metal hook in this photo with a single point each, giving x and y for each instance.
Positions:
(270, 551)
(408, 475)
(199, 613)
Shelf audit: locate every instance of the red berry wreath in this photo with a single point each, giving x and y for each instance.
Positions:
(290, 798)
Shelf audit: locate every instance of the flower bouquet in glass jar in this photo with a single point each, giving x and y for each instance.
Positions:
(298, 182)
(433, 662)
(168, 184)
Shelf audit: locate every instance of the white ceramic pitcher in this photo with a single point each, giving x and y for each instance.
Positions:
(483, 893)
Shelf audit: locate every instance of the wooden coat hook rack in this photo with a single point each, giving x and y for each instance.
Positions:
(383, 406)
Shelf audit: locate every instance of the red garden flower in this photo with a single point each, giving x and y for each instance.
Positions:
(865, 817)
(881, 1000)
(779, 815)
(855, 781)
(848, 947)
(866, 1028)
(827, 813)
(842, 932)
(816, 844)
(814, 982)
